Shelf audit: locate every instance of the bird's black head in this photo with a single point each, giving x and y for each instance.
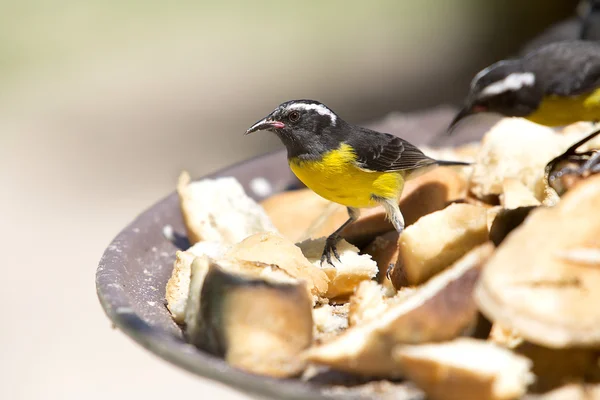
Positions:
(505, 88)
(307, 128)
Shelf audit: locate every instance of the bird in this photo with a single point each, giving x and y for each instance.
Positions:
(584, 25)
(555, 85)
(590, 26)
(344, 163)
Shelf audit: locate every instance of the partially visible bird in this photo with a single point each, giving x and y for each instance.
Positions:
(590, 29)
(345, 163)
(557, 84)
(585, 25)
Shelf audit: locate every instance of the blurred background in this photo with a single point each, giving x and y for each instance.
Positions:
(103, 103)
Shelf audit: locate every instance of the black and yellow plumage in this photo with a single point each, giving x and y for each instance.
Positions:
(557, 84)
(344, 163)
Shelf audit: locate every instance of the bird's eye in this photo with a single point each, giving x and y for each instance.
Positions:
(294, 116)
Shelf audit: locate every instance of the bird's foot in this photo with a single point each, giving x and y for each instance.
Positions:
(330, 248)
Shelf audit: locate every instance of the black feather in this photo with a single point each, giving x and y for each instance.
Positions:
(381, 152)
(566, 68)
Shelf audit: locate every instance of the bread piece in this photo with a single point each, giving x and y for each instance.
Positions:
(515, 194)
(515, 148)
(329, 321)
(384, 250)
(505, 337)
(259, 325)
(438, 239)
(441, 309)
(537, 282)
(302, 214)
(366, 303)
(194, 323)
(271, 248)
(179, 283)
(492, 213)
(218, 210)
(371, 300)
(466, 369)
(347, 273)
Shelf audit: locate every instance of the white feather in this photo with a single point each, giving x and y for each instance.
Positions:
(320, 108)
(512, 82)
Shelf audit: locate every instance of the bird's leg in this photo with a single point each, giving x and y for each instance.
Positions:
(392, 211)
(332, 239)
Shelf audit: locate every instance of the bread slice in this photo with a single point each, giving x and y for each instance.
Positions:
(466, 369)
(437, 240)
(347, 273)
(219, 210)
(178, 285)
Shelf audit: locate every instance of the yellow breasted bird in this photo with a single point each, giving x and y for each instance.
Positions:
(557, 84)
(344, 163)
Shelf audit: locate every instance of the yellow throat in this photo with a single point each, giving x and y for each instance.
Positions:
(560, 110)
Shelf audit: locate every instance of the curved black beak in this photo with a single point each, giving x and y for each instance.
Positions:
(264, 125)
(465, 112)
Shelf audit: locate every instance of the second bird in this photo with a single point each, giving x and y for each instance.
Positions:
(345, 163)
(558, 84)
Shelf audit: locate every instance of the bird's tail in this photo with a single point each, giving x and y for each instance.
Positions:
(443, 163)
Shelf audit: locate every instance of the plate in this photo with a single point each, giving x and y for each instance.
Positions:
(134, 270)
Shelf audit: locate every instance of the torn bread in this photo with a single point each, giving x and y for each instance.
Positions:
(466, 369)
(346, 273)
(441, 309)
(438, 239)
(515, 194)
(372, 299)
(518, 149)
(544, 276)
(329, 321)
(219, 210)
(178, 285)
(271, 248)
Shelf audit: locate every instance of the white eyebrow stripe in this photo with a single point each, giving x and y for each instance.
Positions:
(512, 82)
(320, 108)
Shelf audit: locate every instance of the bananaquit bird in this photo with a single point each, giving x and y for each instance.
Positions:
(557, 84)
(344, 163)
(585, 25)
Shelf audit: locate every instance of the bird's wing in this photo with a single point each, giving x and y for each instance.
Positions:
(381, 152)
(567, 68)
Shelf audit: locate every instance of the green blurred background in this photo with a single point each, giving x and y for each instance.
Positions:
(102, 103)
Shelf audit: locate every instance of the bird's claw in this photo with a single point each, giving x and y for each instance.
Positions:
(328, 250)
